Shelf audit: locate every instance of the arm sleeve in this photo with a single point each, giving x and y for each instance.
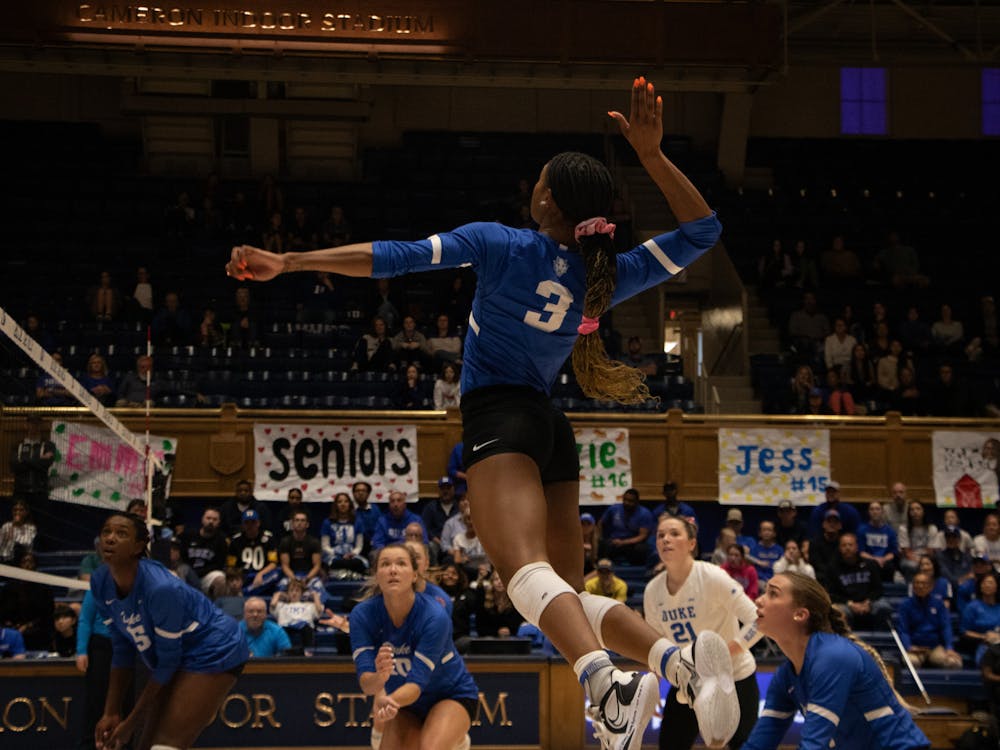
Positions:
(777, 715)
(363, 646)
(664, 256)
(84, 625)
(433, 645)
(830, 692)
(478, 244)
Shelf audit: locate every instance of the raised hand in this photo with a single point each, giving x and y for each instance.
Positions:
(644, 126)
(252, 263)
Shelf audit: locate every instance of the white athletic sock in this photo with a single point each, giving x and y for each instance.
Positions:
(594, 670)
(376, 739)
(659, 654)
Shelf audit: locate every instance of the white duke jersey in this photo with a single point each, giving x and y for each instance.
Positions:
(530, 290)
(708, 600)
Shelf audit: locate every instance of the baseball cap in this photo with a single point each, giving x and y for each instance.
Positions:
(833, 484)
(734, 514)
(586, 518)
(832, 514)
(786, 505)
(952, 531)
(604, 564)
(980, 557)
(444, 481)
(251, 515)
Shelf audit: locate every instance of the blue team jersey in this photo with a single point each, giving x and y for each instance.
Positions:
(530, 290)
(170, 624)
(846, 702)
(439, 595)
(342, 534)
(424, 652)
(877, 540)
(767, 554)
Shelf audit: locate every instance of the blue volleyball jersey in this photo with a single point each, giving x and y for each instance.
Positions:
(530, 290)
(844, 698)
(423, 649)
(171, 625)
(439, 595)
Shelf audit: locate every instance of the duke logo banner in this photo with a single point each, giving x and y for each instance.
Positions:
(93, 466)
(764, 467)
(322, 460)
(605, 464)
(966, 468)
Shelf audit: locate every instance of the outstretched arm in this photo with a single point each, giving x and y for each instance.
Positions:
(248, 262)
(644, 130)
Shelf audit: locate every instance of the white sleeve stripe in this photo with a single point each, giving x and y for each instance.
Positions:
(108, 621)
(771, 713)
(878, 713)
(359, 651)
(448, 658)
(425, 660)
(168, 634)
(826, 713)
(661, 257)
(473, 324)
(435, 249)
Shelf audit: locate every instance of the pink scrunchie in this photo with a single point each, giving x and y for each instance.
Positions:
(589, 325)
(597, 225)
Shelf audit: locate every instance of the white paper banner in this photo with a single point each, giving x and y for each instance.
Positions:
(93, 467)
(965, 468)
(605, 465)
(764, 467)
(323, 460)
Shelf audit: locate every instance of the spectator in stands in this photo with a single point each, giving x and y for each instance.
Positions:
(838, 346)
(734, 520)
(34, 328)
(447, 389)
(293, 504)
(624, 529)
(801, 386)
(947, 334)
(925, 628)
(453, 581)
(916, 537)
(789, 527)
(740, 570)
(317, 299)
(425, 586)
(456, 468)
(242, 320)
(838, 399)
(606, 583)
(132, 389)
(949, 517)
(879, 344)
(948, 396)
(17, 536)
(496, 616)
(824, 548)
(300, 556)
(853, 325)
(984, 332)
(444, 345)
(104, 300)
(140, 304)
(392, 524)
(254, 550)
(210, 332)
(459, 303)
(97, 381)
(817, 403)
(980, 622)
(588, 529)
(410, 393)
(240, 220)
(887, 371)
(955, 564)
(49, 391)
(805, 271)
(270, 197)
(274, 238)
(941, 586)
(64, 622)
(908, 400)
(859, 376)
(774, 268)
(367, 512)
(988, 543)
(898, 264)
(878, 543)
(265, 637)
(232, 599)
(914, 333)
(384, 306)
(172, 324)
(839, 265)
(467, 549)
(336, 229)
(373, 351)
(725, 537)
(297, 611)
(856, 587)
(205, 550)
(766, 551)
(342, 537)
(29, 608)
(179, 219)
(178, 565)
(12, 644)
(31, 462)
(896, 509)
(242, 500)
(91, 561)
(454, 526)
(849, 517)
(673, 506)
(436, 514)
(635, 357)
(410, 345)
(302, 235)
(793, 562)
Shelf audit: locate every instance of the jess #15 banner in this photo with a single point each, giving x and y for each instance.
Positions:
(605, 464)
(966, 468)
(93, 466)
(764, 467)
(322, 459)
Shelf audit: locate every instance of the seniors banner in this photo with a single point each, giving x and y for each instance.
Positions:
(605, 464)
(322, 459)
(965, 468)
(92, 465)
(764, 467)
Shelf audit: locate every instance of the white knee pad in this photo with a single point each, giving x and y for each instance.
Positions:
(596, 607)
(163, 747)
(533, 587)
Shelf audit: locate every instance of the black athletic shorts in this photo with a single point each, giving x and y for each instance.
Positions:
(518, 419)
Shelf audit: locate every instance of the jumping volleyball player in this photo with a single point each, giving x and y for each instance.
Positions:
(194, 651)
(539, 296)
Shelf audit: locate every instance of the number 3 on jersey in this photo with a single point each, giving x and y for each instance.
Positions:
(556, 310)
